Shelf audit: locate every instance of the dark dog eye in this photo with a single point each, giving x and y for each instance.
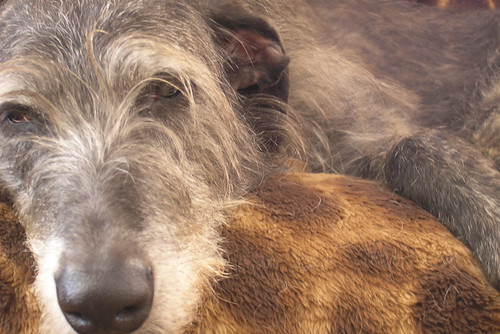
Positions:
(161, 90)
(17, 116)
(16, 113)
(161, 97)
(160, 87)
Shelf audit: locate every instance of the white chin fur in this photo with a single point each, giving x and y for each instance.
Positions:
(47, 255)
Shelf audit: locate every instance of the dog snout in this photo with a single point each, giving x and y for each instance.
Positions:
(106, 296)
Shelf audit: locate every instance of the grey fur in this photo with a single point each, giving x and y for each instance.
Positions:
(95, 158)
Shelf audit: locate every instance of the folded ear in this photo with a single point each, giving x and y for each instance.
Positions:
(256, 59)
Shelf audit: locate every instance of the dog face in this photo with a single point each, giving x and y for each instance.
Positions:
(122, 143)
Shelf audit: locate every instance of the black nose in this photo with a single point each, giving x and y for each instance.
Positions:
(114, 296)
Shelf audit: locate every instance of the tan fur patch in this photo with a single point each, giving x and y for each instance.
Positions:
(361, 259)
(19, 312)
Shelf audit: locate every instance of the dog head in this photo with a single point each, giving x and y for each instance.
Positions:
(124, 137)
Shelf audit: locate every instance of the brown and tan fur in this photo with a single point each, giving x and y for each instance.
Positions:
(339, 255)
(19, 310)
(315, 253)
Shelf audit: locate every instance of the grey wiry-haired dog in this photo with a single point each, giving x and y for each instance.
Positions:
(128, 127)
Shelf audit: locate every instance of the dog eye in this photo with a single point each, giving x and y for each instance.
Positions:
(17, 116)
(159, 90)
(162, 96)
(162, 90)
(16, 113)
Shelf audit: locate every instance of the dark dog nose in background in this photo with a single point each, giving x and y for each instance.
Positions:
(110, 296)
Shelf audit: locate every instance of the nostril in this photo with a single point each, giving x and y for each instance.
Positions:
(115, 299)
(128, 312)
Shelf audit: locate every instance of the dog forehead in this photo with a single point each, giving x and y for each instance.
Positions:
(122, 41)
(63, 28)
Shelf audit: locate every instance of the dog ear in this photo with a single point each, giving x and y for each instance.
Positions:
(255, 58)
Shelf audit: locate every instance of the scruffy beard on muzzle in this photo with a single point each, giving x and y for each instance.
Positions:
(182, 275)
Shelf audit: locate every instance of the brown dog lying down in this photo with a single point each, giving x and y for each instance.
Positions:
(314, 253)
